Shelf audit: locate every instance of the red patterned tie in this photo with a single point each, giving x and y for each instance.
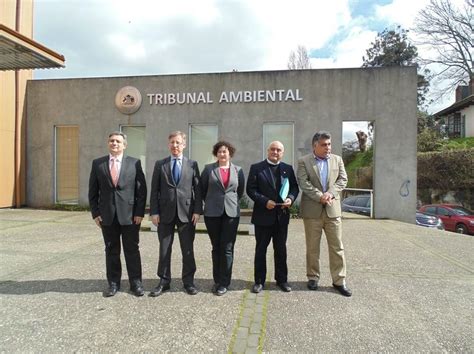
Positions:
(114, 172)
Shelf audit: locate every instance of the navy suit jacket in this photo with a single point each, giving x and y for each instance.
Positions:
(126, 200)
(261, 188)
(168, 198)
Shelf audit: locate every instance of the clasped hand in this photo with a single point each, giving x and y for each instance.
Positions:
(272, 204)
(326, 199)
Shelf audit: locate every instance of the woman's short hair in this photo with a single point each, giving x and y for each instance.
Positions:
(222, 143)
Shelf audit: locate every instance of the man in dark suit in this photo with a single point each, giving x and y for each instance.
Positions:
(273, 188)
(175, 201)
(117, 197)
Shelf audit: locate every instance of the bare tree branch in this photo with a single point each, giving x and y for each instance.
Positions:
(449, 31)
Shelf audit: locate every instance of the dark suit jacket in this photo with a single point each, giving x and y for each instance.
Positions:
(166, 197)
(128, 199)
(261, 188)
(217, 198)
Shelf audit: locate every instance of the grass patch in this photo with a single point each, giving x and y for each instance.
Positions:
(69, 207)
(458, 144)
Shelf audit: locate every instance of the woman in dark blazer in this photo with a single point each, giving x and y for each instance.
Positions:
(223, 184)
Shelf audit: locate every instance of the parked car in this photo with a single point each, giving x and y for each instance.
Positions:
(359, 204)
(455, 217)
(427, 220)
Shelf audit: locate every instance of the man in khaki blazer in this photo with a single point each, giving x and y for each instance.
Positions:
(321, 177)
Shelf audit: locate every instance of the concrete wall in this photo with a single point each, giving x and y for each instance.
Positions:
(384, 95)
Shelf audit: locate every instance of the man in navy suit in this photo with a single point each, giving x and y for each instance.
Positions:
(117, 197)
(175, 201)
(273, 188)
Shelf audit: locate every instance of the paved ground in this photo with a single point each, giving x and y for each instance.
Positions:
(412, 293)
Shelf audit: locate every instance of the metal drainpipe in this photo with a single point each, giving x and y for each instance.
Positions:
(17, 153)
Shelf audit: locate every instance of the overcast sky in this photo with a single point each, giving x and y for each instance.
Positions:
(103, 38)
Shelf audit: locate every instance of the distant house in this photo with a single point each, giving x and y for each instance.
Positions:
(459, 117)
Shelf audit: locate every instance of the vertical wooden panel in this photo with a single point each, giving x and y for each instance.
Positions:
(67, 164)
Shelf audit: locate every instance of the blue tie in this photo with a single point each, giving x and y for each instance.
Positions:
(176, 171)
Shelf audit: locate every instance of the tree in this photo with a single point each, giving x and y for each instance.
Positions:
(428, 140)
(299, 59)
(425, 121)
(392, 48)
(448, 31)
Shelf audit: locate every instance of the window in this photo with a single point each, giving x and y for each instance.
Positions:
(350, 200)
(443, 211)
(282, 132)
(431, 210)
(363, 202)
(136, 143)
(202, 138)
(67, 164)
(455, 127)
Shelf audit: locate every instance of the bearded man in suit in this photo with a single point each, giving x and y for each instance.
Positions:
(322, 177)
(117, 197)
(175, 201)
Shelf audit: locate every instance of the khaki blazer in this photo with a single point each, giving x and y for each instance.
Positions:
(310, 183)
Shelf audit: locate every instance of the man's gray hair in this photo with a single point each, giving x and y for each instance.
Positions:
(322, 134)
(177, 133)
(123, 135)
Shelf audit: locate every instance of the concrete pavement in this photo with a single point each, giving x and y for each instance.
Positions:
(412, 292)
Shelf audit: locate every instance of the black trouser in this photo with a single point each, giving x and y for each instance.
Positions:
(222, 231)
(130, 240)
(263, 236)
(186, 232)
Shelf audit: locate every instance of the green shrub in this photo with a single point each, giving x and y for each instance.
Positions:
(295, 211)
(429, 140)
(244, 202)
(359, 169)
(446, 170)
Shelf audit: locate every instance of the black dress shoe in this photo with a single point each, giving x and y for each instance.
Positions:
(137, 288)
(343, 289)
(190, 289)
(160, 289)
(313, 284)
(112, 290)
(284, 287)
(257, 288)
(221, 290)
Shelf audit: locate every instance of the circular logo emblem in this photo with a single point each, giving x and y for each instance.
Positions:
(128, 100)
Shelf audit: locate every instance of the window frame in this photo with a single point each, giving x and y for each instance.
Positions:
(265, 144)
(189, 141)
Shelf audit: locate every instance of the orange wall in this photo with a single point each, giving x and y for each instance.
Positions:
(8, 97)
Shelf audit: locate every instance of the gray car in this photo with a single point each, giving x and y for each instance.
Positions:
(359, 204)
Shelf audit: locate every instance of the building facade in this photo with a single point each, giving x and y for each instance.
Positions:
(459, 117)
(68, 122)
(19, 54)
